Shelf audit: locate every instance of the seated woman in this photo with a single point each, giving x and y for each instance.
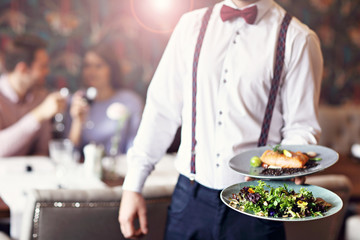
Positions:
(93, 121)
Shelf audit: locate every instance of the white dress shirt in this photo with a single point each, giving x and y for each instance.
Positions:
(234, 78)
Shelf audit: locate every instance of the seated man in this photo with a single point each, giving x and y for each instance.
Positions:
(25, 106)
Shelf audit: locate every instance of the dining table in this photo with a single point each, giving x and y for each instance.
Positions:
(18, 175)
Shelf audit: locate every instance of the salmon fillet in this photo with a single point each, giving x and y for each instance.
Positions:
(297, 160)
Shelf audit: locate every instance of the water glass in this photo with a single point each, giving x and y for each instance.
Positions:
(62, 154)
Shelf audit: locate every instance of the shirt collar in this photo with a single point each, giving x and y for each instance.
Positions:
(262, 5)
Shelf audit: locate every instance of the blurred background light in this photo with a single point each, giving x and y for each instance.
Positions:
(161, 5)
(159, 16)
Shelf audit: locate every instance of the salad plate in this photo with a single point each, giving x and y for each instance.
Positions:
(227, 194)
(241, 162)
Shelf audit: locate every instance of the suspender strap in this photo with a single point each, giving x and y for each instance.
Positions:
(200, 39)
(279, 63)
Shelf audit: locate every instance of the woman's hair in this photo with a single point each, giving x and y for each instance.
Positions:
(111, 59)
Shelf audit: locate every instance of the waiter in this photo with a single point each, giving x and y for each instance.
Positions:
(236, 76)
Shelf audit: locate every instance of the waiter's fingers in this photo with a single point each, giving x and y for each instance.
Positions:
(127, 229)
(300, 180)
(249, 179)
(138, 234)
(143, 221)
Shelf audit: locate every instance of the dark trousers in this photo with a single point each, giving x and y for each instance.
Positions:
(197, 212)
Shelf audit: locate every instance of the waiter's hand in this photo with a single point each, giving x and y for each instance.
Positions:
(132, 206)
(297, 180)
(248, 179)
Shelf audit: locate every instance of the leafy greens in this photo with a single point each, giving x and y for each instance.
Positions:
(264, 200)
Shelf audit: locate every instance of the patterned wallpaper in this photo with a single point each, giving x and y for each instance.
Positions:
(337, 23)
(138, 34)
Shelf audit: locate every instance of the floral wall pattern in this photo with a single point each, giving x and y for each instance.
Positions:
(337, 23)
(138, 37)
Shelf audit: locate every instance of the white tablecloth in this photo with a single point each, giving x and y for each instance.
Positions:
(16, 181)
(164, 173)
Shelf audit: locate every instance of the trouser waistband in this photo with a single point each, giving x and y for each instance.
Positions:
(198, 190)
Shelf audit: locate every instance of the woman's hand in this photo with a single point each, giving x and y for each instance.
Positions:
(79, 108)
(78, 111)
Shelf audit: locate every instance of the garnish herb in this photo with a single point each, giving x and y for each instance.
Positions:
(277, 148)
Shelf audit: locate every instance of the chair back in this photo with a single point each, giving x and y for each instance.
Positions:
(85, 214)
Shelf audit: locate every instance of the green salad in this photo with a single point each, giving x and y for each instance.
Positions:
(264, 200)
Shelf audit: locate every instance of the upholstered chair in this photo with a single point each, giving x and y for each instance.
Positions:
(87, 214)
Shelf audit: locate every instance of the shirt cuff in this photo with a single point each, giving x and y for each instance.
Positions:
(134, 181)
(138, 169)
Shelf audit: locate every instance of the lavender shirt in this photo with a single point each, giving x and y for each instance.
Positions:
(20, 133)
(100, 129)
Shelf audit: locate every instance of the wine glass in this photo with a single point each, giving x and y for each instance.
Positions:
(62, 154)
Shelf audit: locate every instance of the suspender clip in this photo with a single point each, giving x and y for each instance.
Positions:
(192, 178)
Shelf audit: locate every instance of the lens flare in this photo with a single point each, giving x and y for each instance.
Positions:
(159, 16)
(161, 5)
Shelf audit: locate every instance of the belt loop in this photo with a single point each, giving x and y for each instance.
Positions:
(193, 185)
(194, 188)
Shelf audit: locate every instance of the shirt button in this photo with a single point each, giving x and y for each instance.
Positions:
(226, 71)
(217, 165)
(224, 81)
(234, 41)
(218, 155)
(219, 123)
(220, 112)
(237, 33)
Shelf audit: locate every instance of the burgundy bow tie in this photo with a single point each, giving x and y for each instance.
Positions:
(249, 14)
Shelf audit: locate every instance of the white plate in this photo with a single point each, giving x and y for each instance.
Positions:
(323, 193)
(241, 162)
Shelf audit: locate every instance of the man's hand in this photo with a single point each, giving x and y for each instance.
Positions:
(248, 179)
(299, 180)
(132, 206)
(54, 103)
